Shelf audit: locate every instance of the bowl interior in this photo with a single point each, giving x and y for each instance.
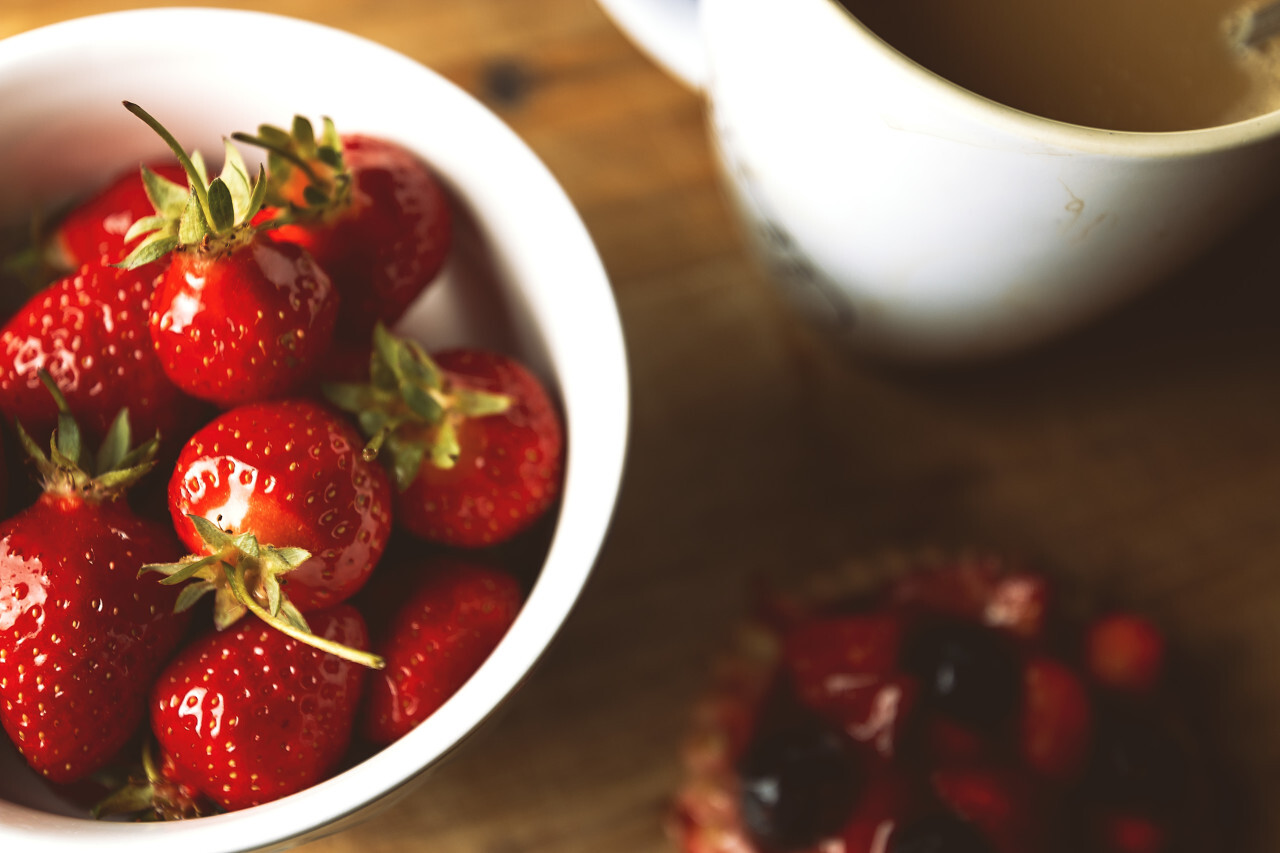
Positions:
(524, 278)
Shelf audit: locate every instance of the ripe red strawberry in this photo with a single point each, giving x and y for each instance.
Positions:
(1125, 652)
(291, 475)
(449, 624)
(1057, 719)
(474, 443)
(368, 209)
(95, 228)
(89, 332)
(236, 316)
(81, 637)
(249, 715)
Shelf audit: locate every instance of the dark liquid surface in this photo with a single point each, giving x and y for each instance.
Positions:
(1139, 65)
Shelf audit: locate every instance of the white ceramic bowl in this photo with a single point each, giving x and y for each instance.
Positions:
(524, 277)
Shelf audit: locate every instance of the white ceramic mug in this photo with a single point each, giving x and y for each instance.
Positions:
(920, 220)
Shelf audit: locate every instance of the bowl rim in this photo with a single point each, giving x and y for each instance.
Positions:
(592, 375)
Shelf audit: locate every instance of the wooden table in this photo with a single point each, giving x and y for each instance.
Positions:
(1139, 453)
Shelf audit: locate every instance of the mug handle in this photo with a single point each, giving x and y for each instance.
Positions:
(666, 30)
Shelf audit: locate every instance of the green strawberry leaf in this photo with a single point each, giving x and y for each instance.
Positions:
(166, 196)
(179, 572)
(115, 444)
(193, 225)
(191, 593)
(214, 536)
(304, 134)
(222, 209)
(149, 225)
(248, 545)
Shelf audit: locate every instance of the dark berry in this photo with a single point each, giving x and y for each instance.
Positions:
(798, 785)
(967, 671)
(938, 833)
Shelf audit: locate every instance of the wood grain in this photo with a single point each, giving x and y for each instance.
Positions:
(1138, 456)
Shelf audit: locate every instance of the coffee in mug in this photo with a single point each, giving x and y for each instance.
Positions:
(1137, 65)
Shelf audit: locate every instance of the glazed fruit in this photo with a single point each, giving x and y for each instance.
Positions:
(237, 316)
(89, 332)
(249, 715)
(473, 442)
(369, 210)
(76, 623)
(452, 619)
(952, 709)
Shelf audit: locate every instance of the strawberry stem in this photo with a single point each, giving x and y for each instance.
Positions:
(235, 578)
(193, 175)
(297, 161)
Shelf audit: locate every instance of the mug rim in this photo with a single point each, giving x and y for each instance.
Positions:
(1162, 143)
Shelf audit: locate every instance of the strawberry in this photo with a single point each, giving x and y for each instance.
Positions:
(1125, 652)
(80, 636)
(450, 622)
(89, 332)
(95, 228)
(274, 489)
(369, 210)
(237, 316)
(474, 443)
(249, 715)
(290, 472)
(1057, 719)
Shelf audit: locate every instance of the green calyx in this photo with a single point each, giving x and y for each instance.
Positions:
(410, 409)
(149, 796)
(246, 576)
(209, 216)
(299, 153)
(71, 468)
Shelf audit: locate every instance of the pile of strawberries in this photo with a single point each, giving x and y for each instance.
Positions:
(958, 708)
(215, 624)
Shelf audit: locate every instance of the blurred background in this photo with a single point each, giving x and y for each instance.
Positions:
(1137, 457)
